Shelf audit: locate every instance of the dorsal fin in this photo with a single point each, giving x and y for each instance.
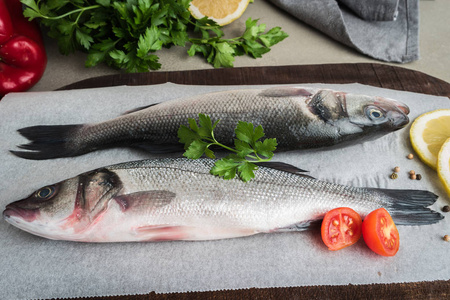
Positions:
(138, 109)
(285, 91)
(277, 165)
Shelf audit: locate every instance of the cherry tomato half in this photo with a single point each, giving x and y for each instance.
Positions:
(341, 227)
(380, 233)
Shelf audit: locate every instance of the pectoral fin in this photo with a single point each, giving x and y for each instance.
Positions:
(145, 199)
(285, 92)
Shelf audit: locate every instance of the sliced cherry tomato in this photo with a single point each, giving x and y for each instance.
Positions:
(380, 233)
(341, 227)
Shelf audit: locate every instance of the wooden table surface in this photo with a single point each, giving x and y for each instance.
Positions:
(378, 75)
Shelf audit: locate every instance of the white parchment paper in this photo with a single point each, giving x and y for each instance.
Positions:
(34, 267)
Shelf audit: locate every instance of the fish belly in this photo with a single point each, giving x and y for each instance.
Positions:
(180, 200)
(286, 118)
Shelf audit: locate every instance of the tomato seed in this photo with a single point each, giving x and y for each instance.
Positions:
(335, 222)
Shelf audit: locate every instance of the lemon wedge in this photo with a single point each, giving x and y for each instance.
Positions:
(428, 133)
(221, 11)
(443, 165)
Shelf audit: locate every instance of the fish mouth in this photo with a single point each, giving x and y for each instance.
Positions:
(399, 120)
(28, 215)
(397, 111)
(403, 107)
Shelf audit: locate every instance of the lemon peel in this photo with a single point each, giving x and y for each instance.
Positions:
(428, 133)
(443, 165)
(223, 12)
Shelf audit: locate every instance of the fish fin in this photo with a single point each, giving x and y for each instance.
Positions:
(302, 226)
(158, 148)
(47, 141)
(285, 92)
(409, 207)
(139, 109)
(281, 166)
(158, 233)
(158, 198)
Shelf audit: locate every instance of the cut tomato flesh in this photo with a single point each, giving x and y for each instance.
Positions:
(341, 227)
(380, 233)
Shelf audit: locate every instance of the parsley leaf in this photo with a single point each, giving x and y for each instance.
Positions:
(248, 147)
(84, 38)
(224, 56)
(246, 169)
(129, 32)
(196, 149)
(148, 42)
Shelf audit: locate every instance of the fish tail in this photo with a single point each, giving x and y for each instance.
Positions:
(409, 207)
(47, 141)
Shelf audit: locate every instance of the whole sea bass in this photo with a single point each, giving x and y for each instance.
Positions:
(298, 118)
(178, 199)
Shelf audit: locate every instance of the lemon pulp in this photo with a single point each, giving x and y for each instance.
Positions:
(428, 132)
(221, 11)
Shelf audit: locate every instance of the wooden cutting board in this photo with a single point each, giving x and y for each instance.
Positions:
(378, 75)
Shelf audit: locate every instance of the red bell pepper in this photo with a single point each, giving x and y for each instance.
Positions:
(22, 52)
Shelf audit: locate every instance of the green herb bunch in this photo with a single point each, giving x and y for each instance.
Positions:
(126, 34)
(247, 152)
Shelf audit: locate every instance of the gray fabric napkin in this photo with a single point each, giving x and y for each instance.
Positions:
(374, 10)
(387, 30)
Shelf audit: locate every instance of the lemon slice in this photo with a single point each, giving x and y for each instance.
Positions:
(443, 165)
(428, 132)
(222, 11)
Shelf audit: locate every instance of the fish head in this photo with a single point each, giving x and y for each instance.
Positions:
(359, 116)
(63, 210)
(376, 113)
(43, 211)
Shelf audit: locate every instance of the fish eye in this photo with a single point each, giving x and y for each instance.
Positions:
(375, 113)
(45, 193)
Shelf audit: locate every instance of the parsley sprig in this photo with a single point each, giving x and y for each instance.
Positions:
(198, 139)
(126, 34)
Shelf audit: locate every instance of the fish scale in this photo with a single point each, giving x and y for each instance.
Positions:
(261, 194)
(178, 199)
(299, 118)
